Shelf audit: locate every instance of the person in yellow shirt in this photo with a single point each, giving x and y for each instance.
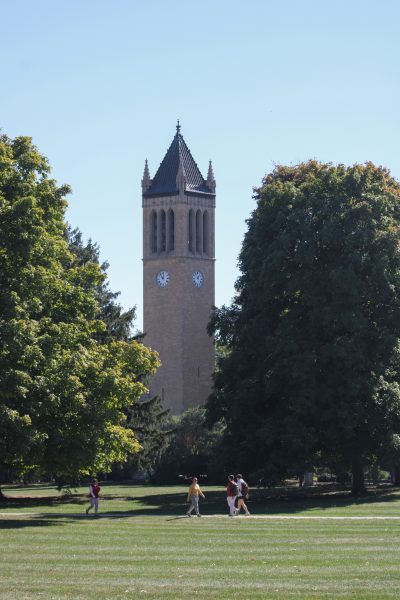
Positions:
(193, 497)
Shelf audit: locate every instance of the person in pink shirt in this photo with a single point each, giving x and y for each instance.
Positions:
(94, 491)
(231, 494)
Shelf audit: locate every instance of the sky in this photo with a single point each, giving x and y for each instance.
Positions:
(99, 87)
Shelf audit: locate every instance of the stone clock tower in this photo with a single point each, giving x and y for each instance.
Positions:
(178, 275)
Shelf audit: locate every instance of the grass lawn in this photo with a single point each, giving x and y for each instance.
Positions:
(142, 547)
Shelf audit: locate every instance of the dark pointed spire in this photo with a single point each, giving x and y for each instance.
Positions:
(210, 178)
(178, 127)
(146, 181)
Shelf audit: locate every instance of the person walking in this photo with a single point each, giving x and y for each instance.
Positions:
(94, 491)
(243, 490)
(231, 494)
(193, 497)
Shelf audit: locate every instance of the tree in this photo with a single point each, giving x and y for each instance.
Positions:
(149, 420)
(118, 322)
(313, 332)
(63, 393)
(146, 417)
(193, 448)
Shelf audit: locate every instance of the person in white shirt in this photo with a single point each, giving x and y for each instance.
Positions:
(243, 491)
(231, 494)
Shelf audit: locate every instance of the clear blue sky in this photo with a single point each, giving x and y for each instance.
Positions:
(99, 86)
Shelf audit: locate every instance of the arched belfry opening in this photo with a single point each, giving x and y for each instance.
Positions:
(205, 232)
(199, 224)
(191, 230)
(163, 219)
(171, 231)
(153, 231)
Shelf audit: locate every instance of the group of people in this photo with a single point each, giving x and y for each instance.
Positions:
(237, 491)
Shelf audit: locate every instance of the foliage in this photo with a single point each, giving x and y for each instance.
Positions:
(193, 448)
(63, 395)
(314, 329)
(150, 422)
(118, 323)
(146, 417)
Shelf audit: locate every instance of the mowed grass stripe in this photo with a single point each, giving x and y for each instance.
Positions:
(133, 499)
(110, 515)
(157, 557)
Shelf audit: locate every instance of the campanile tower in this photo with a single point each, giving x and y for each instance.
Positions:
(178, 275)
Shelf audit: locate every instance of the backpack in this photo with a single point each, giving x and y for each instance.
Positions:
(234, 489)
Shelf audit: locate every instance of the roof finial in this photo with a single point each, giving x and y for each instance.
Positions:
(178, 127)
(211, 178)
(146, 181)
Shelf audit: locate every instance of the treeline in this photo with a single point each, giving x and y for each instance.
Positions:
(308, 354)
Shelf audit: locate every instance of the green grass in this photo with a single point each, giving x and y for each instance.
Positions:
(141, 547)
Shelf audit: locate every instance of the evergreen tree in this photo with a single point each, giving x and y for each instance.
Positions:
(193, 449)
(149, 421)
(118, 323)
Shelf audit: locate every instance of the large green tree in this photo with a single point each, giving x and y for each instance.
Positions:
(313, 334)
(146, 417)
(64, 387)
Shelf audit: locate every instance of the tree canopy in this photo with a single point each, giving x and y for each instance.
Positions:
(65, 384)
(193, 449)
(312, 369)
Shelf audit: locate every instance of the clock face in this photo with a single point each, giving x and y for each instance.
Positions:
(198, 278)
(162, 278)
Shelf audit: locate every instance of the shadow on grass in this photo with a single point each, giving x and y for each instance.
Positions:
(283, 501)
(294, 501)
(19, 502)
(22, 523)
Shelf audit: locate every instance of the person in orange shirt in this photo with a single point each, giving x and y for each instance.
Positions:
(193, 497)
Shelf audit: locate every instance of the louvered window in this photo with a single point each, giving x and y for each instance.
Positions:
(163, 231)
(198, 232)
(153, 231)
(205, 232)
(171, 225)
(190, 231)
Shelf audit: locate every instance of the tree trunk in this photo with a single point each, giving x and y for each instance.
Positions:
(396, 475)
(2, 496)
(309, 479)
(358, 488)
